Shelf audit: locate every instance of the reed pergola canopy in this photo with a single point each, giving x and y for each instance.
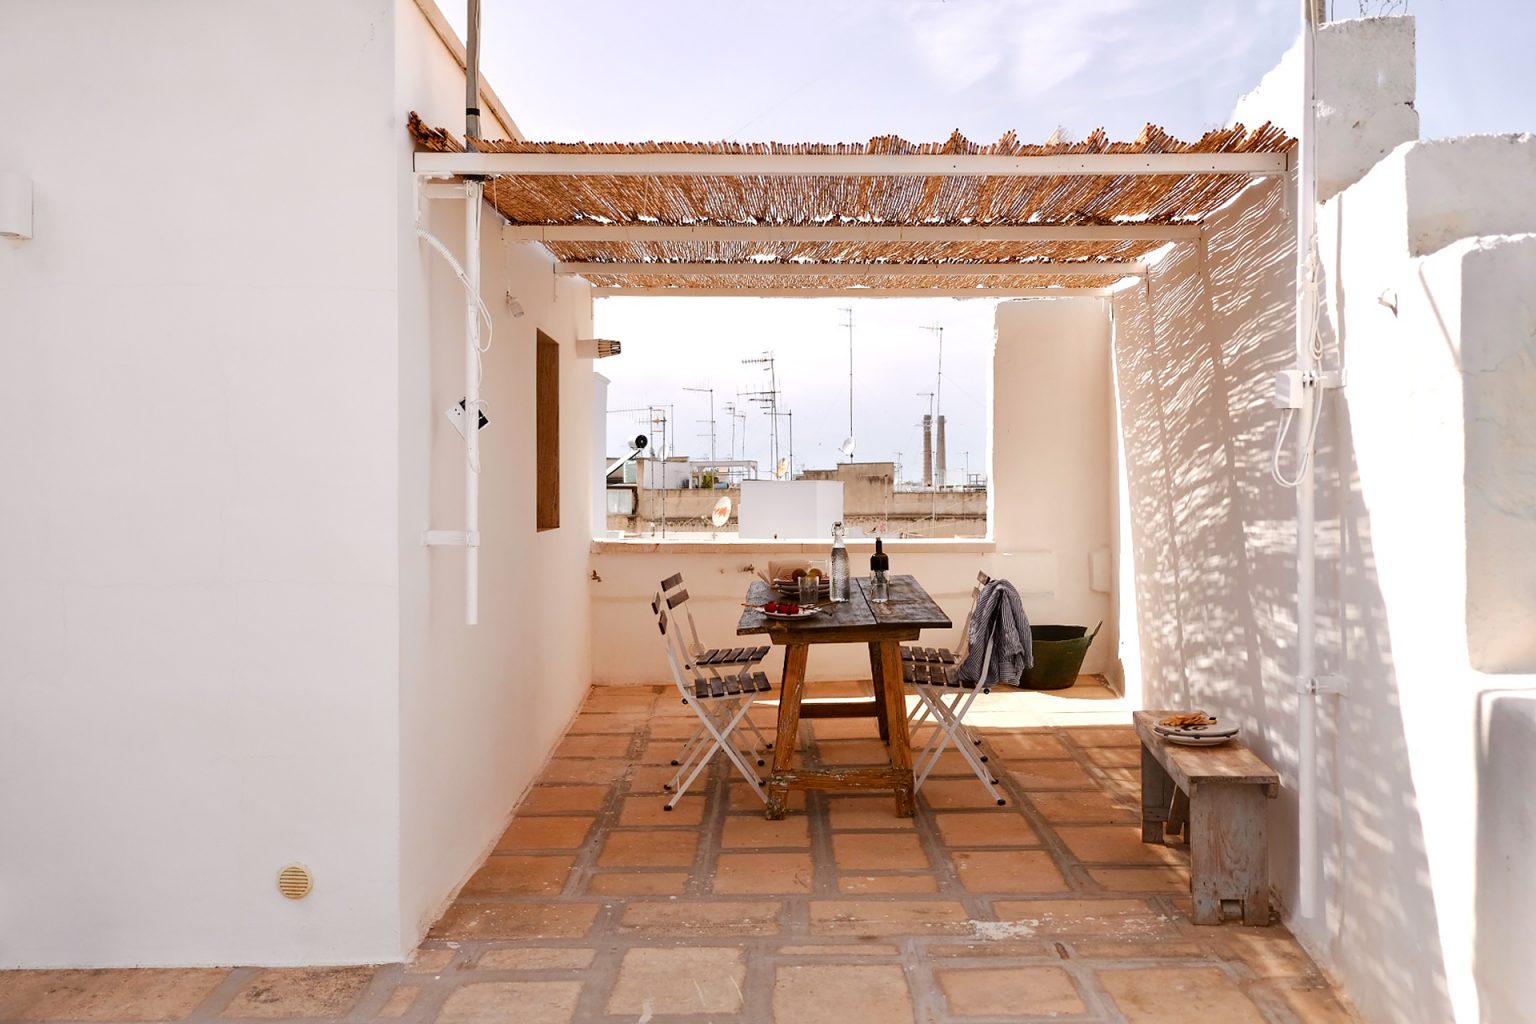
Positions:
(883, 217)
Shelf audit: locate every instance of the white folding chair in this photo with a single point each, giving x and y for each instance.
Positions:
(921, 717)
(944, 700)
(720, 700)
(718, 663)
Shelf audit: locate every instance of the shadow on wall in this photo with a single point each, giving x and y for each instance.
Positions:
(1213, 546)
(1506, 886)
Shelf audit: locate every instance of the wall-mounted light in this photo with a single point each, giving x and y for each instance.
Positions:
(596, 348)
(15, 205)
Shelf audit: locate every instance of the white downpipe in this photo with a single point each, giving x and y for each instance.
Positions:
(1306, 584)
(474, 188)
(472, 357)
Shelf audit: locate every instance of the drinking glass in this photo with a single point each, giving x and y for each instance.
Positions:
(809, 587)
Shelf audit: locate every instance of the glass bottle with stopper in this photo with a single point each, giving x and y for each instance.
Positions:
(838, 590)
(879, 574)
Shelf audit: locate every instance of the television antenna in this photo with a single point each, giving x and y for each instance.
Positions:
(729, 408)
(790, 463)
(769, 398)
(711, 420)
(847, 447)
(938, 388)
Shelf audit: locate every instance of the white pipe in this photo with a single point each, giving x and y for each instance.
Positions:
(473, 191)
(1306, 584)
(472, 73)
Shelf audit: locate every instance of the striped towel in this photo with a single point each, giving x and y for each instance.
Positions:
(998, 624)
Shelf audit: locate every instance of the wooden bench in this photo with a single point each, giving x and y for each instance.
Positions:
(1219, 794)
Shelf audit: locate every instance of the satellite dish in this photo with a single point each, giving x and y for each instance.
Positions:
(782, 469)
(721, 514)
(847, 447)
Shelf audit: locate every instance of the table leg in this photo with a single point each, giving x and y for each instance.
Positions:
(1157, 791)
(895, 704)
(1178, 817)
(789, 724)
(877, 676)
(1228, 856)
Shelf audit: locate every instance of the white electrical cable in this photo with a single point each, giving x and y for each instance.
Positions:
(471, 415)
(458, 271)
(1287, 416)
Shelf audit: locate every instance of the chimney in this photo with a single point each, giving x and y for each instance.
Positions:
(927, 451)
(940, 477)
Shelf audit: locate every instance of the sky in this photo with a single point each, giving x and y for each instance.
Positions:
(846, 70)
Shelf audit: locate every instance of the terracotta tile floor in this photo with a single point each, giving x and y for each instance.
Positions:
(597, 906)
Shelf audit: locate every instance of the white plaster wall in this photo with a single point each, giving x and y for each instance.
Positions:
(1498, 363)
(1438, 402)
(480, 707)
(1053, 503)
(198, 597)
(1053, 455)
(1425, 523)
(1365, 80)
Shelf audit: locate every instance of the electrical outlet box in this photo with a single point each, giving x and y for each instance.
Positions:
(456, 417)
(1288, 385)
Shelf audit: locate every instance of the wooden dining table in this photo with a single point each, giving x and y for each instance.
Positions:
(882, 626)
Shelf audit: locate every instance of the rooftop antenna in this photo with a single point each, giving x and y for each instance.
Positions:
(769, 398)
(790, 466)
(847, 448)
(730, 410)
(938, 388)
(659, 417)
(711, 420)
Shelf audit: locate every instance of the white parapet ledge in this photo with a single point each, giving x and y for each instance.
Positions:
(768, 233)
(1098, 268)
(747, 291)
(706, 545)
(849, 165)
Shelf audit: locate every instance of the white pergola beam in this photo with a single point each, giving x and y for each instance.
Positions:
(766, 233)
(852, 293)
(847, 165)
(1104, 268)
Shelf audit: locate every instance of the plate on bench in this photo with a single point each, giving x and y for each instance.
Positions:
(1188, 740)
(1210, 737)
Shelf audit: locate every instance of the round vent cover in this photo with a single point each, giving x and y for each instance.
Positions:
(294, 881)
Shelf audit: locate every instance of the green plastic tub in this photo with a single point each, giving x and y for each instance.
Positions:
(1059, 654)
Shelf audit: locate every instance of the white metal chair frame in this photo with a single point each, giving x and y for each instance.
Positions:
(719, 699)
(943, 701)
(719, 663)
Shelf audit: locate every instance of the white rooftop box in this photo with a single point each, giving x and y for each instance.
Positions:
(789, 509)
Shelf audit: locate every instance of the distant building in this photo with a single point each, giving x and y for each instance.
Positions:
(872, 499)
